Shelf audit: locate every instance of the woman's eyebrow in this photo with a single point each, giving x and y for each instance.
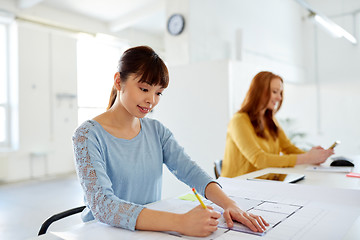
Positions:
(143, 83)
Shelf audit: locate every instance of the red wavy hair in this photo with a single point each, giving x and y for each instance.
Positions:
(256, 101)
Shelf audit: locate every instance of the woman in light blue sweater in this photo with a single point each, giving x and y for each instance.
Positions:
(119, 156)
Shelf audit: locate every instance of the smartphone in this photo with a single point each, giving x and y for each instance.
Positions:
(334, 144)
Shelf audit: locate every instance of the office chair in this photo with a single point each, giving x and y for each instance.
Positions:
(58, 216)
(217, 168)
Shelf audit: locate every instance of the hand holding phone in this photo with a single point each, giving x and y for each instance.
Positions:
(334, 144)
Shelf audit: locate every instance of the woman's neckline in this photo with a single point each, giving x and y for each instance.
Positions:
(120, 138)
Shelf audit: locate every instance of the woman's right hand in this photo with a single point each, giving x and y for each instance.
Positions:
(199, 222)
(317, 155)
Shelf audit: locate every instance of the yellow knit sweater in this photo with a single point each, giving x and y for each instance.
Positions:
(246, 152)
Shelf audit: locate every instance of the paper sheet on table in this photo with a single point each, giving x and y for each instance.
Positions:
(317, 219)
(273, 212)
(178, 205)
(190, 197)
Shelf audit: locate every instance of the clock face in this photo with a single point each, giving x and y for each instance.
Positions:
(176, 24)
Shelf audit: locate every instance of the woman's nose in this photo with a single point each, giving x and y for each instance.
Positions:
(150, 99)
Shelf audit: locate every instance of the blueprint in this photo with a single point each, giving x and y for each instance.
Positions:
(273, 212)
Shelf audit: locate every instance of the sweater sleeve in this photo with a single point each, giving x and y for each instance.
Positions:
(243, 134)
(97, 186)
(181, 165)
(287, 147)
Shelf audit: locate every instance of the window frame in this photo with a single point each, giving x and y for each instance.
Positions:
(11, 141)
(6, 144)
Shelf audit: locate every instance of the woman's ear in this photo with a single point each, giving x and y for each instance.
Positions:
(117, 82)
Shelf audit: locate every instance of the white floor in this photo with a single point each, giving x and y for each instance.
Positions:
(25, 206)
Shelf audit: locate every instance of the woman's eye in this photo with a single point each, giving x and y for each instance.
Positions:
(143, 89)
(159, 94)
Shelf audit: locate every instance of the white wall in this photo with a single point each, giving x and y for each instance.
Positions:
(47, 70)
(195, 108)
(335, 118)
(269, 28)
(177, 51)
(333, 74)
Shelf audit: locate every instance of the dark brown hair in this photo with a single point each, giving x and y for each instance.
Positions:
(256, 99)
(145, 63)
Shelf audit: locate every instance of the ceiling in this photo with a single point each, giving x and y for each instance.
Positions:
(146, 15)
(149, 15)
(335, 7)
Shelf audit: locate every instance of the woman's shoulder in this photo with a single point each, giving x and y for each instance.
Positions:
(150, 124)
(85, 128)
(240, 120)
(241, 116)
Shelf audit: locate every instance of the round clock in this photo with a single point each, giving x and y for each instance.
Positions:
(176, 24)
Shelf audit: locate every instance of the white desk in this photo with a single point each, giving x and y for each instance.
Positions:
(316, 178)
(328, 188)
(326, 179)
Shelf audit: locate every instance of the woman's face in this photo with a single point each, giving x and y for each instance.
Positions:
(139, 98)
(276, 88)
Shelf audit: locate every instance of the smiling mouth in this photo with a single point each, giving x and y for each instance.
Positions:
(144, 109)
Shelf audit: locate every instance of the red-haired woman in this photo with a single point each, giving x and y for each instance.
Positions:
(254, 138)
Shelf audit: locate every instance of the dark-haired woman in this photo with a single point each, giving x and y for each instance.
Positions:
(254, 138)
(119, 157)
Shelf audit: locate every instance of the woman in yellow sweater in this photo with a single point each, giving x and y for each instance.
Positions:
(255, 139)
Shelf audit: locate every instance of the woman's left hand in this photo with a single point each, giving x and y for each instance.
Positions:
(254, 222)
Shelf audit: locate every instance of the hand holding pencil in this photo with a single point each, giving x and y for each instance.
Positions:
(200, 221)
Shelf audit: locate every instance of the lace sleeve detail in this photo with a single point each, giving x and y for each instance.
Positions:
(104, 205)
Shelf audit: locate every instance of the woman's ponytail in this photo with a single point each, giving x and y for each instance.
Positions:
(112, 97)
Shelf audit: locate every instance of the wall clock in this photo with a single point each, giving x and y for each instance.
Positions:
(176, 24)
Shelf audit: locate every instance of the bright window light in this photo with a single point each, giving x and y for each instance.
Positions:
(2, 125)
(3, 65)
(97, 63)
(4, 103)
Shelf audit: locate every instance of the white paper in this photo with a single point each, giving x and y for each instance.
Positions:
(274, 213)
(327, 213)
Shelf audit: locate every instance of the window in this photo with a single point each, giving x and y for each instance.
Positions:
(4, 87)
(97, 63)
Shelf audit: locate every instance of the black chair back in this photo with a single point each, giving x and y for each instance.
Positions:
(217, 168)
(57, 217)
